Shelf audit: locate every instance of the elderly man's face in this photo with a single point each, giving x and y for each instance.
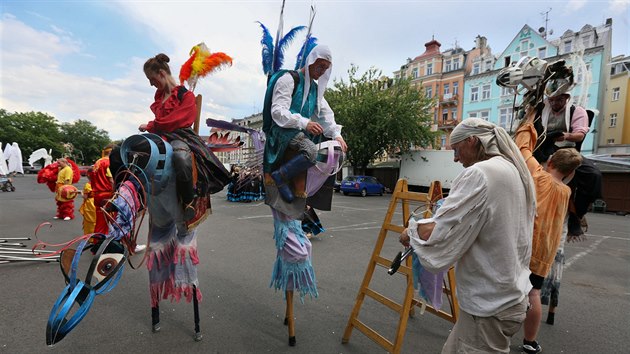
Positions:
(465, 151)
(318, 68)
(558, 103)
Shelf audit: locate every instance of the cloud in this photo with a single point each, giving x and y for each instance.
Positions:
(575, 5)
(618, 6)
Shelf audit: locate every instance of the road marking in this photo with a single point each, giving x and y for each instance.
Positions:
(254, 217)
(610, 237)
(590, 249)
(348, 226)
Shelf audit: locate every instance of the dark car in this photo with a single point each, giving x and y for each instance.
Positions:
(363, 185)
(83, 170)
(31, 169)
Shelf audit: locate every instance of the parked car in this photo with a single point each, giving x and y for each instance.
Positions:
(363, 185)
(83, 170)
(31, 169)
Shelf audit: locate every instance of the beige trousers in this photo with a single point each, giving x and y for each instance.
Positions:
(474, 334)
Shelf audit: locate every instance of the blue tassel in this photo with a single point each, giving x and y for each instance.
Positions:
(308, 45)
(301, 275)
(267, 49)
(282, 45)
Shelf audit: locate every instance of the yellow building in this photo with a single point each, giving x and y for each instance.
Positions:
(615, 134)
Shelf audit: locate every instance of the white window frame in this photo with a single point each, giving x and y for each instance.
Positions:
(414, 73)
(486, 90)
(505, 115)
(586, 41)
(568, 46)
(429, 69)
(444, 115)
(447, 89)
(447, 65)
(454, 114)
(476, 68)
(455, 63)
(474, 94)
(616, 93)
(485, 115)
(429, 91)
(506, 91)
(473, 114)
(542, 52)
(455, 88)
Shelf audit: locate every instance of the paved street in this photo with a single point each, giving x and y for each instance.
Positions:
(240, 313)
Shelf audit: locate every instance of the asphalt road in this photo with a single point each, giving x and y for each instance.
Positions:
(240, 313)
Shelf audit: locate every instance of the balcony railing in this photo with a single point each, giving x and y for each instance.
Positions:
(449, 99)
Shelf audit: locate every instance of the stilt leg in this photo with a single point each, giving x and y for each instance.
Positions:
(289, 318)
(198, 335)
(155, 319)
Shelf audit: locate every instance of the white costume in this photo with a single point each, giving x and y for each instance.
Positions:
(4, 169)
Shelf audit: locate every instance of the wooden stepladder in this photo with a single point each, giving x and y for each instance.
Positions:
(404, 197)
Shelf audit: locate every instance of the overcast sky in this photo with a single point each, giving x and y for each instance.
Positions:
(83, 59)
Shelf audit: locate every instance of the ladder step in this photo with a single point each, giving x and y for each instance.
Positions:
(384, 300)
(373, 335)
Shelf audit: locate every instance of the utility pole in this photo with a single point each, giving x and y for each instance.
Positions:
(546, 14)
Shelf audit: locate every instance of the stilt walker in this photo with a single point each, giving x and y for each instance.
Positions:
(295, 116)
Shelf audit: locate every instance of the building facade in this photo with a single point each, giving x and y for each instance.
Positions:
(615, 125)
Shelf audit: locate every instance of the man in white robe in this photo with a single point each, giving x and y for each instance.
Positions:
(4, 169)
(484, 228)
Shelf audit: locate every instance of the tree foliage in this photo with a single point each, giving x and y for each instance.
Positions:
(379, 116)
(87, 140)
(35, 130)
(31, 130)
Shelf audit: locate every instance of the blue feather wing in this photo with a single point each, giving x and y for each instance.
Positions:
(283, 44)
(267, 49)
(308, 45)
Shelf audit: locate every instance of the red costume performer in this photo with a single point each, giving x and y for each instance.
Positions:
(102, 188)
(65, 203)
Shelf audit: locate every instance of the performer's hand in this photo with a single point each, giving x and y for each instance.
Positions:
(314, 128)
(404, 238)
(342, 142)
(562, 137)
(142, 127)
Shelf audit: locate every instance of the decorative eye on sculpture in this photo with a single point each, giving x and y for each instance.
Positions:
(107, 263)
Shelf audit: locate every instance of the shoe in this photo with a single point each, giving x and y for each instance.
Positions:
(55, 217)
(550, 318)
(531, 347)
(139, 248)
(285, 174)
(67, 218)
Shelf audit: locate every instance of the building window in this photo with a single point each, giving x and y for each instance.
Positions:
(455, 88)
(524, 46)
(429, 91)
(508, 60)
(580, 74)
(485, 92)
(613, 120)
(485, 115)
(610, 141)
(454, 114)
(447, 89)
(615, 95)
(429, 68)
(567, 46)
(473, 114)
(414, 73)
(586, 41)
(506, 91)
(542, 52)
(447, 66)
(455, 63)
(474, 94)
(444, 116)
(443, 140)
(505, 116)
(488, 65)
(476, 68)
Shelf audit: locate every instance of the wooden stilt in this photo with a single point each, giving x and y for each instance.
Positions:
(289, 319)
(198, 335)
(155, 319)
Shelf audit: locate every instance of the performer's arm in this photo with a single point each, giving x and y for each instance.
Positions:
(526, 141)
(579, 126)
(327, 117)
(281, 104)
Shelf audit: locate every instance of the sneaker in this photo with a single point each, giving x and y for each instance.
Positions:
(532, 347)
(140, 248)
(67, 218)
(55, 217)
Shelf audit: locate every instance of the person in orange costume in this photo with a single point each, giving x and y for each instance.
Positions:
(87, 208)
(65, 208)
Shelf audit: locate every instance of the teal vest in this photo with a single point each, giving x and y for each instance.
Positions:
(277, 138)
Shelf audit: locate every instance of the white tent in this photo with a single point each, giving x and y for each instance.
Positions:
(4, 169)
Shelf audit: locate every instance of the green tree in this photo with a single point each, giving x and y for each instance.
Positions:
(86, 139)
(31, 130)
(380, 116)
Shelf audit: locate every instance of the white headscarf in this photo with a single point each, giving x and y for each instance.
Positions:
(496, 141)
(323, 52)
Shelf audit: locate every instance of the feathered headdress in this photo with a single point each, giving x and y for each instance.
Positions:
(202, 63)
(273, 55)
(307, 47)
